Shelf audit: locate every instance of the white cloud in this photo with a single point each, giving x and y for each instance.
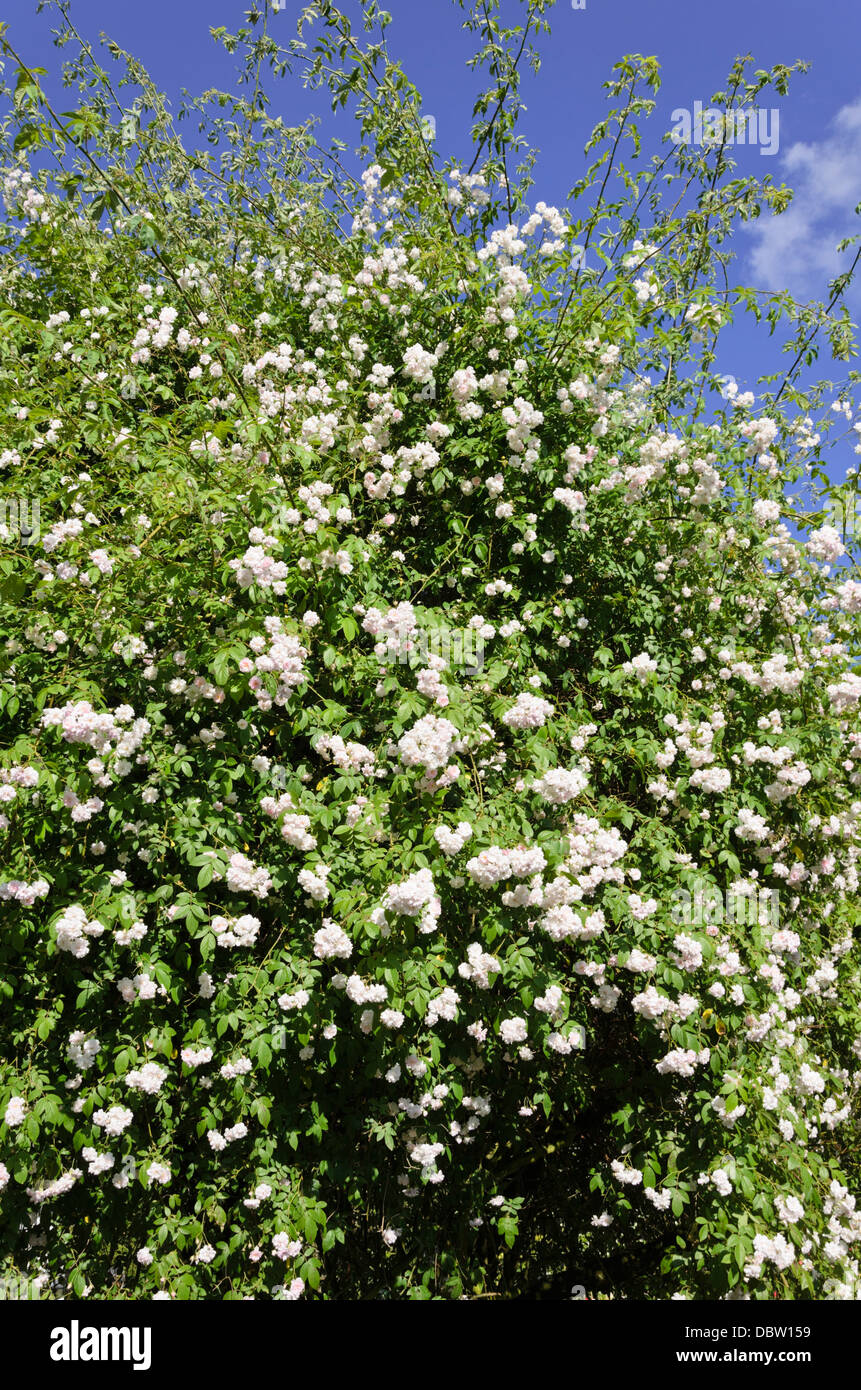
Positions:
(797, 250)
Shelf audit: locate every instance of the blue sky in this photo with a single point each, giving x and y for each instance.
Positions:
(819, 150)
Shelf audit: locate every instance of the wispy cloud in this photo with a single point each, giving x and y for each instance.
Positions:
(797, 250)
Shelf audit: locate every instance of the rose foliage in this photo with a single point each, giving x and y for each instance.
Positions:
(430, 757)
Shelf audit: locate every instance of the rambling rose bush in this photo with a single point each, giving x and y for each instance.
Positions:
(430, 742)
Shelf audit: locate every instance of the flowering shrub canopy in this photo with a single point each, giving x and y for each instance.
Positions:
(429, 736)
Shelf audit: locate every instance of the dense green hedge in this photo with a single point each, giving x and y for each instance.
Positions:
(429, 740)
